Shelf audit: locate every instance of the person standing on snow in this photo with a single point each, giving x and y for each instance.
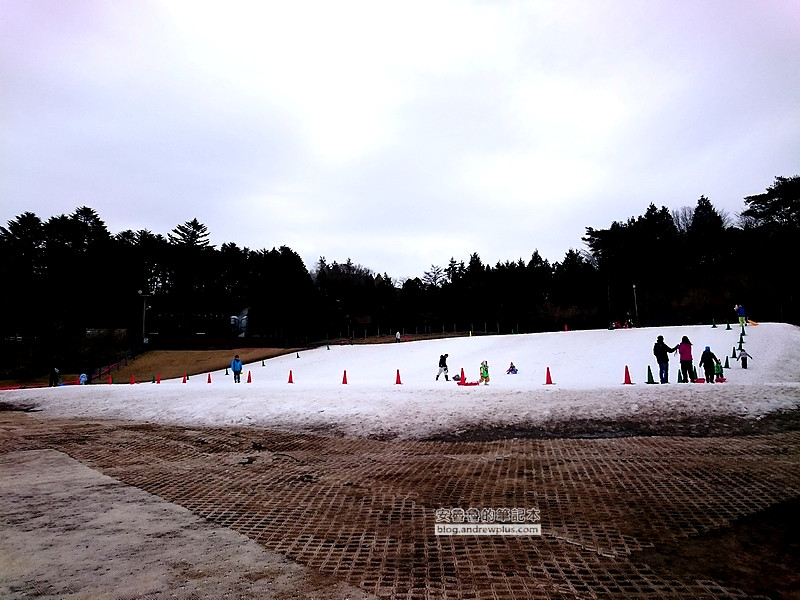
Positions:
(685, 354)
(708, 361)
(54, 377)
(484, 373)
(397, 337)
(661, 352)
(740, 312)
(443, 367)
(743, 356)
(236, 367)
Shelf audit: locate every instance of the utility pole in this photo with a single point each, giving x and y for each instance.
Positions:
(144, 315)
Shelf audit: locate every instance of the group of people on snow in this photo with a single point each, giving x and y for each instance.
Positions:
(711, 365)
(484, 371)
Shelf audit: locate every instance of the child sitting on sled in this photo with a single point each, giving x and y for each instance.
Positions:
(512, 370)
(719, 372)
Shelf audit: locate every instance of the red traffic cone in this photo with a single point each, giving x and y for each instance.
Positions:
(548, 380)
(397, 381)
(290, 376)
(249, 378)
(209, 378)
(627, 377)
(133, 379)
(344, 377)
(565, 327)
(110, 380)
(158, 378)
(184, 378)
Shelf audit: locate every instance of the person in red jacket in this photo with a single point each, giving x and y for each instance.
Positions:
(685, 355)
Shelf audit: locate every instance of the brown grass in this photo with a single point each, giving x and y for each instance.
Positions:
(169, 364)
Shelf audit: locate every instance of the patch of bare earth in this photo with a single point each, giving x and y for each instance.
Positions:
(96, 509)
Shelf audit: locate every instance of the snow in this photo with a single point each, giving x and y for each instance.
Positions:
(587, 370)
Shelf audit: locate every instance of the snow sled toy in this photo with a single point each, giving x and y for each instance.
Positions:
(466, 383)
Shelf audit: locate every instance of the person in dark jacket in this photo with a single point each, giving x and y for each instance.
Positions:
(443, 367)
(54, 377)
(661, 352)
(708, 361)
(236, 367)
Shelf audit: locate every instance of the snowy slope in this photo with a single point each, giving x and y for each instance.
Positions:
(587, 369)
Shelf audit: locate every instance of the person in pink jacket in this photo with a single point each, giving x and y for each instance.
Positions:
(685, 355)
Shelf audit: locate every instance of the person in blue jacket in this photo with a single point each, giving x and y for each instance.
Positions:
(236, 367)
(740, 312)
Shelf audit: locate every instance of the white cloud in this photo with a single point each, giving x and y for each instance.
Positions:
(396, 135)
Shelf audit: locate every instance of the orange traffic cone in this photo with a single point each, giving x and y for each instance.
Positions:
(209, 378)
(397, 381)
(627, 377)
(249, 379)
(290, 376)
(344, 377)
(548, 380)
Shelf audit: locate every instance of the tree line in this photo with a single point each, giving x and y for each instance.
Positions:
(78, 294)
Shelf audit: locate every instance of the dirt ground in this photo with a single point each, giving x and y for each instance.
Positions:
(102, 509)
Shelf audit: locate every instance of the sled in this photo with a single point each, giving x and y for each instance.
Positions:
(468, 383)
(749, 322)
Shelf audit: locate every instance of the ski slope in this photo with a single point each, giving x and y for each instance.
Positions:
(587, 369)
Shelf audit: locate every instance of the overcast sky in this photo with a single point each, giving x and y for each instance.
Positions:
(395, 134)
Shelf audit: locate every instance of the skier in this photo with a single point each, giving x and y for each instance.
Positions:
(661, 352)
(743, 356)
(443, 367)
(236, 367)
(484, 373)
(708, 361)
(685, 354)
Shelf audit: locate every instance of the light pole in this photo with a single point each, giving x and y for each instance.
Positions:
(635, 305)
(144, 315)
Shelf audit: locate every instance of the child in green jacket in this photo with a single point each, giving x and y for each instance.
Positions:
(484, 373)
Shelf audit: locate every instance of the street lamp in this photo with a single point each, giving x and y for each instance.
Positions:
(635, 305)
(144, 315)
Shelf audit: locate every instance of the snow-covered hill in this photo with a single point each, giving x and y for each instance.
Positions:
(587, 370)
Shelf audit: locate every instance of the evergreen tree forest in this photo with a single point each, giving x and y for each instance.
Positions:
(77, 294)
